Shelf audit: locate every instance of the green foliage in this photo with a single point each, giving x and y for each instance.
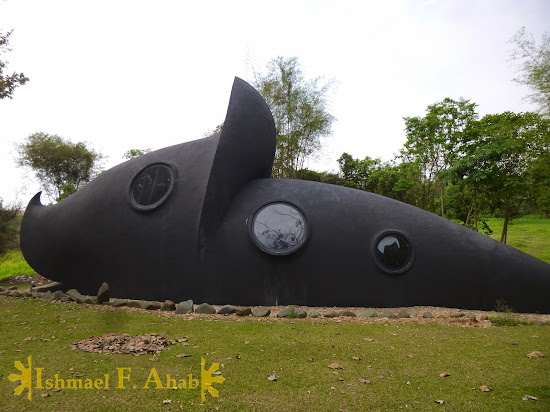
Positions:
(434, 143)
(533, 64)
(8, 82)
(61, 166)
(9, 227)
(135, 153)
(299, 108)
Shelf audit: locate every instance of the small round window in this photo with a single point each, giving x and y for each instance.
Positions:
(279, 228)
(393, 252)
(152, 186)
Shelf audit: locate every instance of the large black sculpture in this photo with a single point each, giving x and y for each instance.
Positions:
(203, 220)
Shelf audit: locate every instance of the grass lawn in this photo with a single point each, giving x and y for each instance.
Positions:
(12, 263)
(402, 360)
(530, 234)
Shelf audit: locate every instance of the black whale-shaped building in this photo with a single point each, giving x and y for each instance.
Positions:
(203, 220)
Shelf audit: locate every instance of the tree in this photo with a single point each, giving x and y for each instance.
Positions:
(135, 153)
(8, 82)
(299, 108)
(60, 165)
(533, 64)
(505, 161)
(9, 227)
(434, 143)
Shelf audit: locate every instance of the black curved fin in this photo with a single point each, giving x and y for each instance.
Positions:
(246, 149)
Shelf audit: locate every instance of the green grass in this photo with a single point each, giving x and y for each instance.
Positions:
(12, 263)
(403, 361)
(530, 234)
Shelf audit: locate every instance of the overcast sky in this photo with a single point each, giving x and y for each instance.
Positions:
(149, 74)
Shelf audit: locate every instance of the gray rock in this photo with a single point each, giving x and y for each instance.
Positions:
(227, 310)
(25, 294)
(402, 314)
(134, 304)
(14, 293)
(428, 315)
(456, 315)
(104, 293)
(73, 294)
(314, 314)
(538, 322)
(205, 309)
(58, 294)
(389, 315)
(413, 315)
(4, 292)
(65, 299)
(331, 314)
(470, 315)
(12, 287)
(286, 313)
(49, 286)
(48, 294)
(107, 303)
(300, 313)
(348, 314)
(90, 300)
(36, 294)
(368, 314)
(151, 305)
(244, 311)
(184, 307)
(260, 311)
(2, 289)
(168, 306)
(117, 303)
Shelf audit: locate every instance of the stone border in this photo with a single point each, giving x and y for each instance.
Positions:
(367, 315)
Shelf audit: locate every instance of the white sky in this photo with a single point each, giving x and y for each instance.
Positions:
(149, 74)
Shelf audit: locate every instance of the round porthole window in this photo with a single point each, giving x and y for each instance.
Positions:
(152, 186)
(393, 252)
(279, 228)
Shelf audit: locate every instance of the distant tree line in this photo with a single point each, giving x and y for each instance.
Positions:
(459, 166)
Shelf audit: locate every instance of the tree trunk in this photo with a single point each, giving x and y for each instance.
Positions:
(475, 209)
(504, 235)
(442, 191)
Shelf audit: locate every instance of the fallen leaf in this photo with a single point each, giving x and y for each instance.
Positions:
(183, 355)
(532, 355)
(529, 398)
(166, 401)
(29, 338)
(444, 374)
(238, 356)
(440, 401)
(1, 352)
(246, 342)
(340, 379)
(408, 382)
(45, 395)
(56, 390)
(273, 377)
(356, 358)
(485, 388)
(332, 388)
(196, 347)
(409, 356)
(368, 339)
(309, 359)
(154, 359)
(366, 381)
(335, 366)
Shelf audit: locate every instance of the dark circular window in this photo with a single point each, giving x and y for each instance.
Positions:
(393, 252)
(152, 186)
(279, 228)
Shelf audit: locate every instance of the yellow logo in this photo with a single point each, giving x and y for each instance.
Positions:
(25, 378)
(207, 380)
(208, 377)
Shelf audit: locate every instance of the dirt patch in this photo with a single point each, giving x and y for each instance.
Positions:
(36, 279)
(126, 344)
